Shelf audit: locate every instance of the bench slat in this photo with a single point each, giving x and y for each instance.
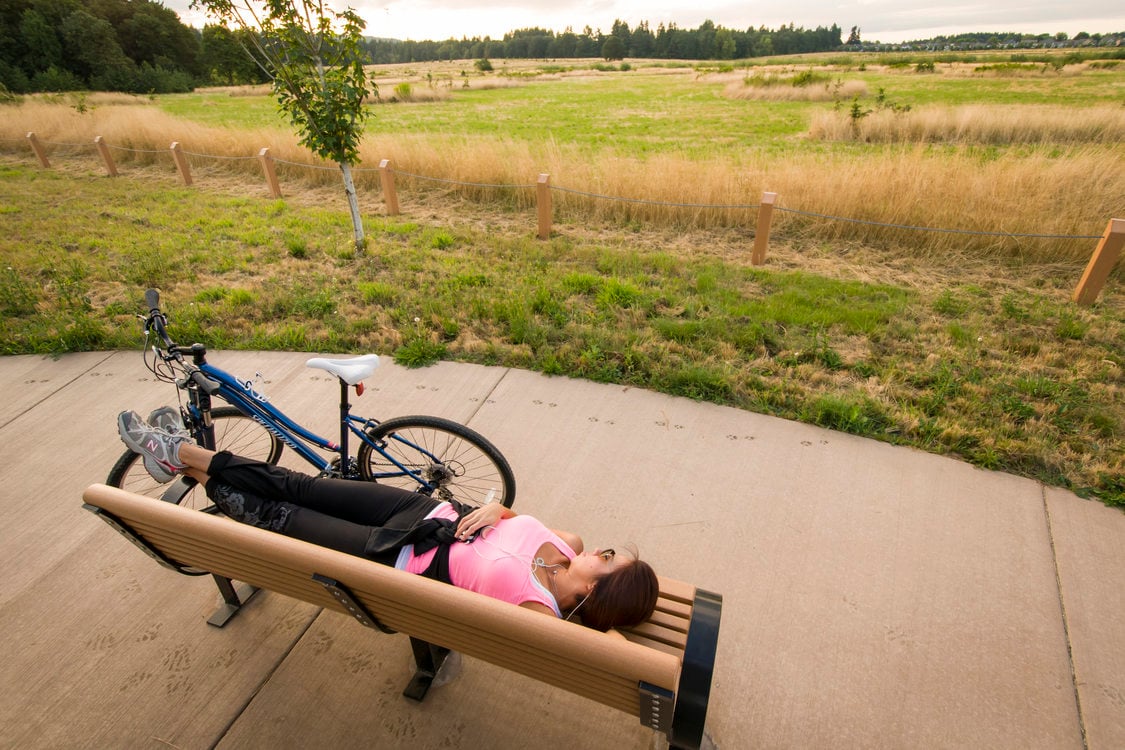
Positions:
(665, 648)
(670, 638)
(677, 590)
(673, 607)
(667, 621)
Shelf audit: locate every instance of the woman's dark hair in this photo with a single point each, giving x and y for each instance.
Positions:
(622, 598)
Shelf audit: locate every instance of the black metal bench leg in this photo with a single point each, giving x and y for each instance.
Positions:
(429, 659)
(233, 599)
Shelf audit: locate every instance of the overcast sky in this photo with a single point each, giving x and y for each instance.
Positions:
(878, 20)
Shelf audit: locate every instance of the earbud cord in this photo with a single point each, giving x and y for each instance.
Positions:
(538, 562)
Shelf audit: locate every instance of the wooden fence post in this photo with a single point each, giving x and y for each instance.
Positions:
(387, 179)
(762, 235)
(1101, 263)
(271, 172)
(110, 167)
(38, 149)
(543, 200)
(181, 162)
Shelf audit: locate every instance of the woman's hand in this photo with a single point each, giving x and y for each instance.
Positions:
(481, 518)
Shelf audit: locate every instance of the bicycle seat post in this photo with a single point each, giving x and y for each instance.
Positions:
(345, 410)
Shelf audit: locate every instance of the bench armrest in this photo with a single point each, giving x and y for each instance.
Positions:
(694, 689)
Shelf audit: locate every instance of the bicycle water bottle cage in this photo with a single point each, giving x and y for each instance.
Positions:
(352, 371)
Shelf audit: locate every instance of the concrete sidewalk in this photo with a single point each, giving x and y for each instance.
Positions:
(874, 597)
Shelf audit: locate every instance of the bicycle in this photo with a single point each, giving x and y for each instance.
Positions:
(431, 455)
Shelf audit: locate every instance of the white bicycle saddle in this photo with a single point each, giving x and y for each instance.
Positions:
(351, 371)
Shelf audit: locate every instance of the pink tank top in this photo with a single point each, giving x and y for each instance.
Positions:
(499, 563)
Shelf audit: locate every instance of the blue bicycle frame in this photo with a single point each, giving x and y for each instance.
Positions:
(243, 396)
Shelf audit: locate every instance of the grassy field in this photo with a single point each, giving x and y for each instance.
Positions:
(959, 347)
(925, 150)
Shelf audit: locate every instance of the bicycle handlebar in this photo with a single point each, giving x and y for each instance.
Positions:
(204, 382)
(156, 320)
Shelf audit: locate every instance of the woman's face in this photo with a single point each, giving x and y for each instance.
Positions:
(589, 566)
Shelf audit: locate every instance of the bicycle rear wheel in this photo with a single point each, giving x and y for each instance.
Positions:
(454, 462)
(234, 432)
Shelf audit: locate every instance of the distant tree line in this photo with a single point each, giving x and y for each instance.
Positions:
(139, 46)
(667, 42)
(115, 45)
(136, 46)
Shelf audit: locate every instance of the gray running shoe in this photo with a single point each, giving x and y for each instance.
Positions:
(167, 418)
(160, 449)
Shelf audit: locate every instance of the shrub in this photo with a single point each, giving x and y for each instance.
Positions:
(297, 247)
(483, 65)
(17, 296)
(856, 414)
(615, 293)
(12, 80)
(158, 80)
(419, 353)
(441, 240)
(377, 292)
(54, 79)
(808, 78)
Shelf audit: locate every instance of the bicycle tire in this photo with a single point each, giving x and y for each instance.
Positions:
(234, 431)
(469, 467)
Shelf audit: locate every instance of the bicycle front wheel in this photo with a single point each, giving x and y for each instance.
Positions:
(437, 457)
(234, 432)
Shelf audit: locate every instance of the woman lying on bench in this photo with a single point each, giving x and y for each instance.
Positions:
(488, 549)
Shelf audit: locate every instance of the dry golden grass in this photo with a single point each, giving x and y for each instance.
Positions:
(1010, 70)
(409, 92)
(977, 124)
(785, 91)
(1048, 190)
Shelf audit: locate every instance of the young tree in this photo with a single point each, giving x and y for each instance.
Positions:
(314, 56)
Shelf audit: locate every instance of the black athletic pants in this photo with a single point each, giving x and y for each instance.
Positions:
(339, 514)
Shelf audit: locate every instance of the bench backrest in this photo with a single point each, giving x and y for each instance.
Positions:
(594, 665)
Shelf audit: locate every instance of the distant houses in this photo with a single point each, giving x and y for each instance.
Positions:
(987, 41)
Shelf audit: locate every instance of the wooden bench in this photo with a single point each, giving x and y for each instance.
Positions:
(661, 672)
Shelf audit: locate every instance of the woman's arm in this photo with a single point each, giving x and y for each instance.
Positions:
(573, 540)
(482, 517)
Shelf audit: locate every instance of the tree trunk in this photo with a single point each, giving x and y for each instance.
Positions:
(353, 205)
